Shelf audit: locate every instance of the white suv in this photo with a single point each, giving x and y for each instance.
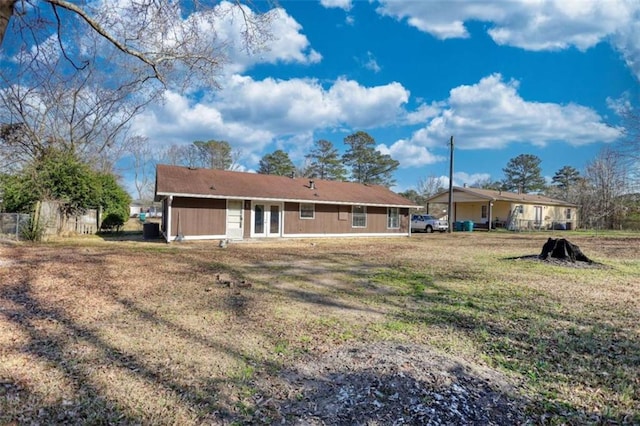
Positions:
(428, 223)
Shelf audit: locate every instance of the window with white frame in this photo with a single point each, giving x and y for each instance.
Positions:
(483, 213)
(359, 216)
(393, 217)
(307, 211)
(568, 214)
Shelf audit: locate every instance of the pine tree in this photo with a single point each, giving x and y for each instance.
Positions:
(523, 174)
(276, 163)
(325, 162)
(367, 164)
(566, 177)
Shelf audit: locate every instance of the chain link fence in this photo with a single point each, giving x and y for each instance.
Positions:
(11, 224)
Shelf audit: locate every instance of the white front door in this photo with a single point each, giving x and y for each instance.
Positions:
(266, 220)
(234, 219)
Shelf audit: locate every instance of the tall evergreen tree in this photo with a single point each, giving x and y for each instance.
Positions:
(367, 164)
(523, 174)
(566, 177)
(324, 162)
(276, 163)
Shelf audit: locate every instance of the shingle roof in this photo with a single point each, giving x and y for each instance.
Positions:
(212, 183)
(491, 195)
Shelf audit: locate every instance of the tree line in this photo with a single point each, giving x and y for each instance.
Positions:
(361, 162)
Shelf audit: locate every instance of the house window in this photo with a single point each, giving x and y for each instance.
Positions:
(483, 215)
(393, 218)
(568, 213)
(359, 217)
(307, 211)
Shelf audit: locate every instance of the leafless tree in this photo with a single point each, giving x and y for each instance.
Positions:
(600, 193)
(429, 186)
(630, 144)
(159, 37)
(75, 75)
(144, 160)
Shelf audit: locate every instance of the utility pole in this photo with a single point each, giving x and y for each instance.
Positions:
(450, 211)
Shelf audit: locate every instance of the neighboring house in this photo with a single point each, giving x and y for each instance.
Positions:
(509, 210)
(137, 207)
(222, 204)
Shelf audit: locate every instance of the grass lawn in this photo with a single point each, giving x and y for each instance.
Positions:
(97, 330)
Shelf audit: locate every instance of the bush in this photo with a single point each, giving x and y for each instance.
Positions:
(33, 230)
(112, 222)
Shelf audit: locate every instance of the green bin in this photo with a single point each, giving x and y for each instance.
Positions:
(468, 225)
(458, 226)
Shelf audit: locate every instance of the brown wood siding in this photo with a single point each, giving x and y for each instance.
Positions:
(327, 220)
(194, 217)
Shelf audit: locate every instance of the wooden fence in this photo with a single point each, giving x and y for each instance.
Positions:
(55, 223)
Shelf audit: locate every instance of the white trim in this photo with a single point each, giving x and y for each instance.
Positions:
(354, 234)
(200, 237)
(169, 207)
(285, 200)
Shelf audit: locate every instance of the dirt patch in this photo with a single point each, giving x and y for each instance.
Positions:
(392, 384)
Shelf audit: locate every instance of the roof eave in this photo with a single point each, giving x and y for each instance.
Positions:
(161, 195)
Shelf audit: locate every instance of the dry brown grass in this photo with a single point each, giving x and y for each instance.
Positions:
(105, 331)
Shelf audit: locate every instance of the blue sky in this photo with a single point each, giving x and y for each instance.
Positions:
(503, 77)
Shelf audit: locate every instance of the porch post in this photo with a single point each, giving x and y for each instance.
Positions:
(490, 215)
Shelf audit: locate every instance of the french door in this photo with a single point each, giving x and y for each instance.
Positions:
(266, 220)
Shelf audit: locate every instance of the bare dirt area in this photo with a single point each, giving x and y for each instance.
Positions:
(433, 329)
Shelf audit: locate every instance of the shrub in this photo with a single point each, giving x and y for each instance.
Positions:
(112, 222)
(32, 230)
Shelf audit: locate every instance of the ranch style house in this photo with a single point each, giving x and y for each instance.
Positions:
(223, 204)
(490, 209)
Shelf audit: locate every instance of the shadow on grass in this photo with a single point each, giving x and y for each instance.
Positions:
(87, 400)
(552, 349)
(516, 330)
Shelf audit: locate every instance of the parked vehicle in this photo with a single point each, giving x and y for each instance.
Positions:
(428, 223)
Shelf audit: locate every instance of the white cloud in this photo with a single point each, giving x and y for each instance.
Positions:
(462, 178)
(627, 41)
(531, 24)
(252, 114)
(409, 154)
(372, 64)
(491, 114)
(340, 4)
(287, 45)
(423, 113)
